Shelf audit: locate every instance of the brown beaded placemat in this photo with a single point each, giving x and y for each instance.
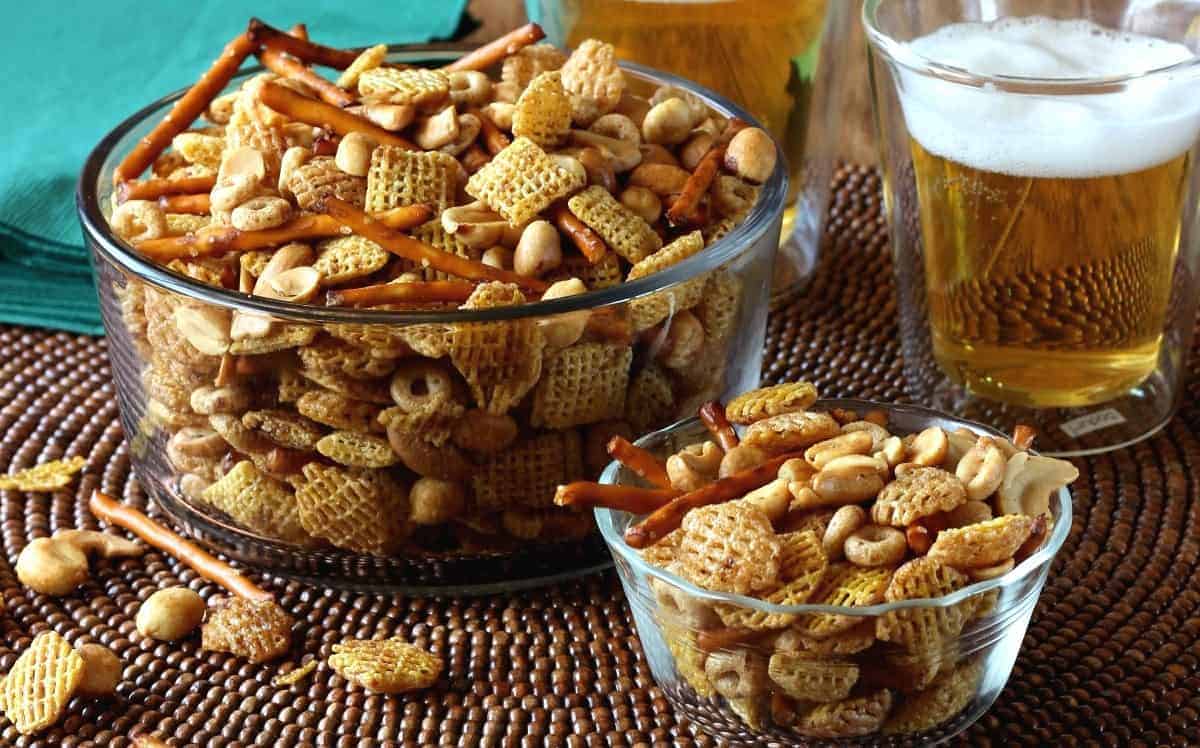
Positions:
(1112, 656)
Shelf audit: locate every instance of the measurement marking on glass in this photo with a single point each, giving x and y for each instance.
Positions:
(1101, 419)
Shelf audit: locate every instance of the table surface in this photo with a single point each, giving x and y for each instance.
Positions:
(1112, 656)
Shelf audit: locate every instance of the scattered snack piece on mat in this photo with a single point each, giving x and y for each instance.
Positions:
(258, 630)
(52, 567)
(36, 690)
(101, 671)
(170, 614)
(49, 476)
(385, 665)
(828, 507)
(295, 675)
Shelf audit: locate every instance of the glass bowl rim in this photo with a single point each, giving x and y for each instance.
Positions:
(898, 52)
(605, 520)
(743, 238)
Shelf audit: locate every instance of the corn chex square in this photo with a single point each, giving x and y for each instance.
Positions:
(400, 177)
(543, 113)
(648, 311)
(624, 231)
(40, 683)
(347, 258)
(521, 181)
(527, 473)
(501, 361)
(423, 87)
(583, 383)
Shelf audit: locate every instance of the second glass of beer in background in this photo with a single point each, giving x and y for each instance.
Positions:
(766, 55)
(1038, 167)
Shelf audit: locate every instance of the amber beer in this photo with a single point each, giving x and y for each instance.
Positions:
(759, 53)
(1048, 270)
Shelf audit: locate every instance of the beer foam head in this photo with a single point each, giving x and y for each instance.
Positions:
(1152, 120)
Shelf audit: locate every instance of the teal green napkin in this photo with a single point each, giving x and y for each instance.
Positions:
(76, 68)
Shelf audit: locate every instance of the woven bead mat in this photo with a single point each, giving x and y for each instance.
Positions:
(1112, 656)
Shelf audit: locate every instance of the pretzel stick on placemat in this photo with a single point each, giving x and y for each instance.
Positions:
(421, 253)
(219, 239)
(187, 109)
(668, 517)
(641, 462)
(492, 52)
(206, 565)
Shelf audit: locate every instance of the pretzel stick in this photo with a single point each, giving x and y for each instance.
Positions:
(152, 189)
(1023, 436)
(289, 67)
(421, 253)
(197, 204)
(299, 31)
(493, 52)
(115, 513)
(587, 241)
(669, 516)
(227, 239)
(402, 293)
(186, 110)
(712, 414)
(619, 498)
(684, 207)
(493, 139)
(291, 104)
(639, 461)
(300, 47)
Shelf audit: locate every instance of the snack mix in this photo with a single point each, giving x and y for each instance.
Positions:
(831, 508)
(401, 188)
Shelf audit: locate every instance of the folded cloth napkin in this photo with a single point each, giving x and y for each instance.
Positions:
(76, 68)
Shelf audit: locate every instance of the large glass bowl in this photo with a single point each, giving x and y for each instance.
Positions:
(518, 538)
(948, 686)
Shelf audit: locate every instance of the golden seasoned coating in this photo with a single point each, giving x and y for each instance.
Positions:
(521, 181)
(528, 472)
(924, 628)
(948, 695)
(36, 690)
(501, 361)
(420, 87)
(802, 566)
(337, 411)
(765, 402)
(385, 665)
(983, 543)
(789, 432)
(604, 273)
(858, 638)
(543, 112)
(648, 311)
(689, 659)
(367, 390)
(729, 549)
(650, 399)
(861, 715)
(432, 422)
(355, 449)
(362, 511)
(402, 177)
(285, 428)
(581, 384)
(849, 586)
(319, 179)
(809, 678)
(591, 72)
(918, 492)
(378, 340)
(529, 62)
(199, 148)
(281, 337)
(624, 231)
(347, 258)
(258, 502)
(332, 355)
(258, 630)
(48, 476)
(433, 234)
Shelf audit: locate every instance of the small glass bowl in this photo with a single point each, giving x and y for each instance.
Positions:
(152, 369)
(961, 676)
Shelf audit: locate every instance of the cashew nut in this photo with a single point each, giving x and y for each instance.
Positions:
(624, 155)
(959, 442)
(436, 131)
(682, 607)
(100, 544)
(695, 466)
(981, 469)
(51, 567)
(968, 513)
(434, 501)
(170, 614)
(849, 443)
(101, 671)
(1029, 481)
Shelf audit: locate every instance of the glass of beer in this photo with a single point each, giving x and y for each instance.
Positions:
(766, 55)
(1038, 174)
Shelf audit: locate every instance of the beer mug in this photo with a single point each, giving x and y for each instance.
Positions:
(1039, 176)
(777, 59)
